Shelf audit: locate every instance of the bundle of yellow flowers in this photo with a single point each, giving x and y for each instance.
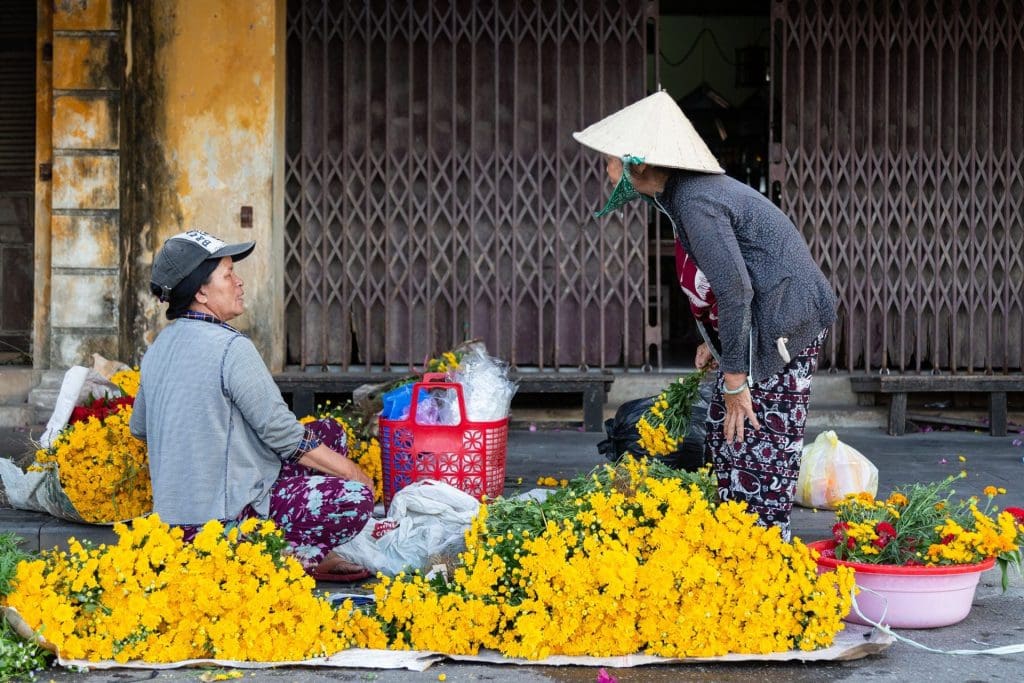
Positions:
(102, 468)
(922, 524)
(363, 449)
(664, 425)
(246, 600)
(627, 561)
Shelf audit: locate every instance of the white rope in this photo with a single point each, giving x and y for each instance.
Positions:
(1003, 650)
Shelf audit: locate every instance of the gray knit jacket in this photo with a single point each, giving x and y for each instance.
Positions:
(758, 265)
(214, 421)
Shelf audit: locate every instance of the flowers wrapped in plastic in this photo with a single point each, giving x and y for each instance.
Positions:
(486, 388)
(93, 469)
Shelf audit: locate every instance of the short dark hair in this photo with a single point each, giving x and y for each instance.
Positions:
(185, 291)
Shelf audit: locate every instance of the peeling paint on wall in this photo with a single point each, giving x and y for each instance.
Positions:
(85, 122)
(200, 112)
(85, 182)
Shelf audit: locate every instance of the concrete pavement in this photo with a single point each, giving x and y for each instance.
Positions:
(996, 618)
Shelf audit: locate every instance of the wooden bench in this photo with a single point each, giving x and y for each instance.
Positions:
(305, 387)
(593, 386)
(898, 386)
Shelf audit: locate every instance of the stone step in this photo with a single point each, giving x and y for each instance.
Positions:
(17, 415)
(15, 384)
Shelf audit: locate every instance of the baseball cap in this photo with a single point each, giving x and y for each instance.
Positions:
(184, 252)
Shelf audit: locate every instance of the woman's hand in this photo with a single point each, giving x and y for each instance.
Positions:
(328, 461)
(704, 360)
(737, 407)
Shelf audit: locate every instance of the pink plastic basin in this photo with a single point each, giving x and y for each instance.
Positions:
(909, 597)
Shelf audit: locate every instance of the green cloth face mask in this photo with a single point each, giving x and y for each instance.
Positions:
(624, 191)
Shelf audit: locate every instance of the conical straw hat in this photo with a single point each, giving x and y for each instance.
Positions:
(654, 129)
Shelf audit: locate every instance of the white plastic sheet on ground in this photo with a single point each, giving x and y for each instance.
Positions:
(854, 642)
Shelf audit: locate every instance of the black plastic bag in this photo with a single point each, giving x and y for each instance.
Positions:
(623, 436)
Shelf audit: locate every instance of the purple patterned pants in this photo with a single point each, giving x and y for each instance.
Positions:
(315, 511)
(764, 468)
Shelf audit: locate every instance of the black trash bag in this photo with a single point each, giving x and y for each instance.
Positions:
(623, 436)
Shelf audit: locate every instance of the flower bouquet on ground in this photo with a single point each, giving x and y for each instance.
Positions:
(668, 420)
(920, 552)
(93, 470)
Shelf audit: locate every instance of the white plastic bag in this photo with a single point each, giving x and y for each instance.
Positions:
(830, 470)
(78, 385)
(425, 518)
(485, 385)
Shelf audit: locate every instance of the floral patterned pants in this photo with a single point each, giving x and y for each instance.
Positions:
(315, 511)
(764, 468)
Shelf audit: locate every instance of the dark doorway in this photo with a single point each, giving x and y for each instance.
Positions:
(17, 160)
(713, 59)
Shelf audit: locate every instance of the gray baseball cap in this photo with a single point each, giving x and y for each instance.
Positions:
(184, 252)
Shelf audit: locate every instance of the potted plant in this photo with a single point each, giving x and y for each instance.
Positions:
(918, 555)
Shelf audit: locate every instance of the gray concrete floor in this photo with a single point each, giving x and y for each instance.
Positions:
(996, 619)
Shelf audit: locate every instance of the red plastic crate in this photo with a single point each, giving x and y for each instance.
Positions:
(469, 456)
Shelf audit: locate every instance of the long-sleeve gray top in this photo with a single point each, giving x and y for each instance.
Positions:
(214, 421)
(759, 267)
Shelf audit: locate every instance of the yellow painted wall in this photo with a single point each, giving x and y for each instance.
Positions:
(216, 66)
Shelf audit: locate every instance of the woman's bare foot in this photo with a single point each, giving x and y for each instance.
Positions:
(335, 564)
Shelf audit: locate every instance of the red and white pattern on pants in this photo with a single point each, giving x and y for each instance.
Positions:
(763, 469)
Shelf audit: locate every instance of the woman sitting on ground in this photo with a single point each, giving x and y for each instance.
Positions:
(222, 442)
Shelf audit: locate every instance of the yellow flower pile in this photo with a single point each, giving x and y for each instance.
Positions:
(153, 598)
(104, 470)
(644, 565)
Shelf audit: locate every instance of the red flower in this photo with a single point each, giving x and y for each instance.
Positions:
(886, 533)
(1018, 514)
(839, 533)
(100, 408)
(947, 539)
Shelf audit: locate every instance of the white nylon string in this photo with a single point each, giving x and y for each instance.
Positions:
(1003, 650)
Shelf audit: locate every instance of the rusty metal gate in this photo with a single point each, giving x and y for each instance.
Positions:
(898, 142)
(433, 191)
